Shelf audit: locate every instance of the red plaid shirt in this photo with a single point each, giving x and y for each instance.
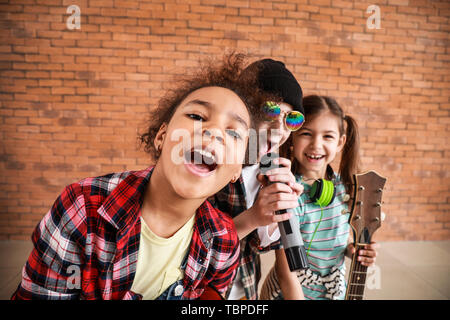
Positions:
(94, 227)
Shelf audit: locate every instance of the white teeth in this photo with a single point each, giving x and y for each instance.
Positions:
(312, 156)
(205, 153)
(205, 156)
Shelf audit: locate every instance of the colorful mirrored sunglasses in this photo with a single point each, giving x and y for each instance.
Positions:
(293, 120)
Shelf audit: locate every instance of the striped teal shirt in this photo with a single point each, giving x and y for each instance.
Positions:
(326, 255)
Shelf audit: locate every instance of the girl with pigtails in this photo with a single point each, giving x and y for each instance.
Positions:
(323, 222)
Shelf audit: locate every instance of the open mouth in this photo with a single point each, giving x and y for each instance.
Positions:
(200, 162)
(314, 157)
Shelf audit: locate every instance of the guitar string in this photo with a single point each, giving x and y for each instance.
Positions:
(353, 277)
(358, 278)
(359, 274)
(356, 268)
(362, 272)
(359, 290)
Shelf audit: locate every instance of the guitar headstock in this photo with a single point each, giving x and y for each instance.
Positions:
(365, 216)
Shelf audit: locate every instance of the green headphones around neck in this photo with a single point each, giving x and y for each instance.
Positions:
(322, 192)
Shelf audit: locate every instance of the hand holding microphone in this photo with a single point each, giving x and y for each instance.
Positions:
(289, 229)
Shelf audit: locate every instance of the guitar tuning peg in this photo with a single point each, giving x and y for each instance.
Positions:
(345, 211)
(346, 197)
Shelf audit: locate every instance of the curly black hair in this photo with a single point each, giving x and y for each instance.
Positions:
(226, 73)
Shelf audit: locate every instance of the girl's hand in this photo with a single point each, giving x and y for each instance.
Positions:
(367, 256)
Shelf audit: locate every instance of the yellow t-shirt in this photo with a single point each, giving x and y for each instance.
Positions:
(159, 260)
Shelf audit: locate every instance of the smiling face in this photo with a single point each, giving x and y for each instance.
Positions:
(317, 143)
(203, 146)
(277, 133)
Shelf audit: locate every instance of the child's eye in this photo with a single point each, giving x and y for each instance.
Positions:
(328, 137)
(195, 117)
(304, 133)
(234, 134)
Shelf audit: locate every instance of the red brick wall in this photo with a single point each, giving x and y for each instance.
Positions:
(72, 100)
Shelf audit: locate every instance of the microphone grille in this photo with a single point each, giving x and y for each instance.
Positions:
(266, 162)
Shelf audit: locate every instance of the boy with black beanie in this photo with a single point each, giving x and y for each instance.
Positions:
(248, 201)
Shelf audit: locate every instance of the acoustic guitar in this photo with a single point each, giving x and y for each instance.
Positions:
(365, 218)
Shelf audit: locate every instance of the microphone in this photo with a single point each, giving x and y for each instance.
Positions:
(289, 229)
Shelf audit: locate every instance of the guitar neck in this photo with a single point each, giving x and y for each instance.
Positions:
(357, 278)
(365, 219)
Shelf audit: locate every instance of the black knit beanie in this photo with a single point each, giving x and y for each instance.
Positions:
(274, 77)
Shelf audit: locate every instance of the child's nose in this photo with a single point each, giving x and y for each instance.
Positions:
(214, 134)
(316, 142)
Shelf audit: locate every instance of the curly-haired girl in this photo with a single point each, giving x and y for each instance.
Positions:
(151, 234)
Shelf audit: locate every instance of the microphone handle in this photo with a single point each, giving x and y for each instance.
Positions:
(292, 241)
(291, 237)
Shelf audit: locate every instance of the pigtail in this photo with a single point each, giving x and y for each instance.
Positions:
(350, 160)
